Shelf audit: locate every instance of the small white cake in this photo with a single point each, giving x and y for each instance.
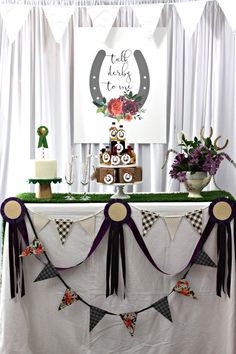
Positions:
(44, 169)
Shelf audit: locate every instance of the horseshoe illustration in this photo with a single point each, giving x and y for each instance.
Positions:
(94, 76)
(144, 76)
(143, 72)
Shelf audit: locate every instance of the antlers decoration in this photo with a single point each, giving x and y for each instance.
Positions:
(217, 147)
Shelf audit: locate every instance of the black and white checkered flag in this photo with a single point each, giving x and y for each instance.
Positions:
(162, 306)
(63, 228)
(204, 259)
(96, 315)
(148, 219)
(48, 272)
(195, 218)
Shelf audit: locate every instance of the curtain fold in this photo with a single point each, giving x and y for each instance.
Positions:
(37, 88)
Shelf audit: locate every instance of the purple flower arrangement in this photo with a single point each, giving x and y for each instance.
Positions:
(197, 156)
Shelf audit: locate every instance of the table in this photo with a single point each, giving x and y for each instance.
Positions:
(33, 325)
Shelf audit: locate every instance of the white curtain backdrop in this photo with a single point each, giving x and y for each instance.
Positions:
(36, 88)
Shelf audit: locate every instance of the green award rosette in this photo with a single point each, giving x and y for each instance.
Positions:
(42, 132)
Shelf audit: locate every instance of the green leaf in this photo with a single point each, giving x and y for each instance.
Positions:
(138, 99)
(104, 99)
(101, 109)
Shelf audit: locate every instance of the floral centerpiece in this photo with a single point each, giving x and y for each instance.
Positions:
(198, 161)
(125, 107)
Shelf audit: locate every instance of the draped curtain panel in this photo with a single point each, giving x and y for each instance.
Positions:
(37, 88)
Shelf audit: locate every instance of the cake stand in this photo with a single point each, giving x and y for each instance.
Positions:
(120, 194)
(44, 187)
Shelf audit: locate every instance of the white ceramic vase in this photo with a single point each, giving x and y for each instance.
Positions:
(195, 183)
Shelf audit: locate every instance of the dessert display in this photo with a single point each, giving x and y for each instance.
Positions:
(118, 161)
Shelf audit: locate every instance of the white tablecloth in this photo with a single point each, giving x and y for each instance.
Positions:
(33, 325)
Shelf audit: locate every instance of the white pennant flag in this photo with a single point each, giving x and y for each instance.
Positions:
(40, 221)
(103, 17)
(190, 14)
(89, 225)
(172, 224)
(13, 18)
(58, 19)
(148, 16)
(229, 9)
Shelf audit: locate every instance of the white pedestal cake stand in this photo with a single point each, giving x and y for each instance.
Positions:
(120, 194)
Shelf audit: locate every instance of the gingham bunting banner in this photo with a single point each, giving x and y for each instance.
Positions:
(182, 287)
(204, 259)
(162, 306)
(195, 218)
(148, 219)
(48, 272)
(70, 296)
(129, 320)
(63, 228)
(96, 315)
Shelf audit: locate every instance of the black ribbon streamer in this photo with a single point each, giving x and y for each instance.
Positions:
(115, 249)
(16, 225)
(224, 246)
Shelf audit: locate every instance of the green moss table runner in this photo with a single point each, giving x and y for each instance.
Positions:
(135, 197)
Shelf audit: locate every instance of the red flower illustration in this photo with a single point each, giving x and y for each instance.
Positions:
(128, 117)
(115, 107)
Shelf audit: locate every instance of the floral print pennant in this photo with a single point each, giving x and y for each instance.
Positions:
(35, 247)
(129, 320)
(68, 299)
(182, 287)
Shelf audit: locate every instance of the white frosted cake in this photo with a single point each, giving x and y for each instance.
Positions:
(44, 169)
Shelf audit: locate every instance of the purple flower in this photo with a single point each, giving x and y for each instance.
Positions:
(130, 107)
(181, 176)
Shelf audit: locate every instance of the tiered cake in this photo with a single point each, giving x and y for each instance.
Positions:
(118, 161)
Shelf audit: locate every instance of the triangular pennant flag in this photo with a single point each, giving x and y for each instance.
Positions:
(48, 272)
(162, 306)
(129, 320)
(68, 299)
(35, 247)
(148, 16)
(172, 224)
(204, 259)
(229, 9)
(190, 14)
(40, 221)
(148, 219)
(58, 18)
(14, 18)
(63, 228)
(182, 287)
(96, 315)
(103, 17)
(88, 225)
(195, 218)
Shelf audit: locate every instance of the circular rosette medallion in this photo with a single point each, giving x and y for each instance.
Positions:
(222, 210)
(117, 210)
(108, 179)
(128, 178)
(125, 159)
(106, 157)
(115, 160)
(13, 210)
(121, 134)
